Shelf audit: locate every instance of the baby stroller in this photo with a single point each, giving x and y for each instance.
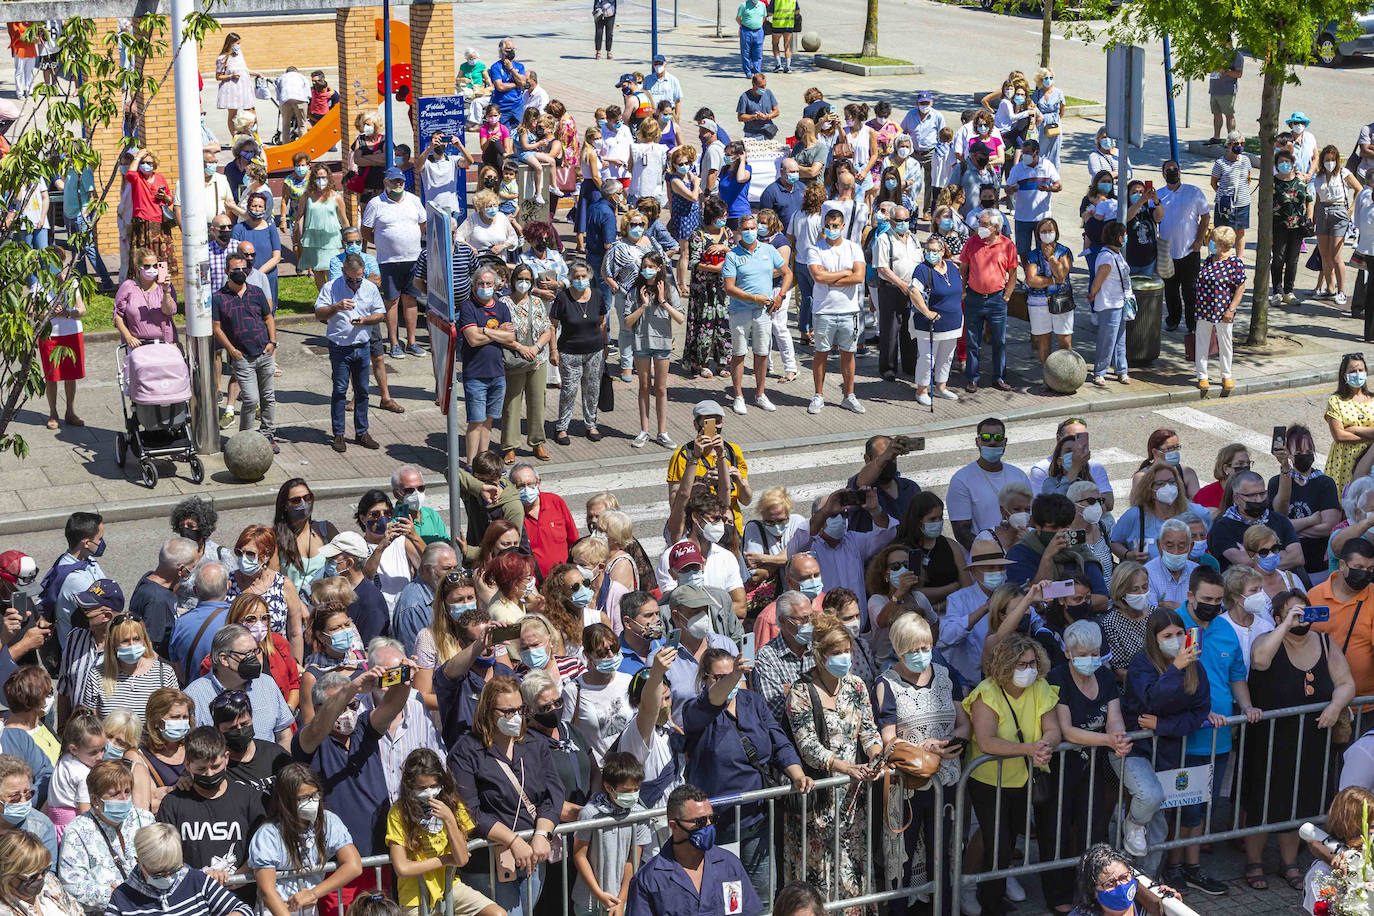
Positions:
(156, 380)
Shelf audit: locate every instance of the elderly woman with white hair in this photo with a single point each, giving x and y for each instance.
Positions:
(1357, 503)
(916, 702)
(1089, 509)
(571, 753)
(1014, 502)
(164, 883)
(1089, 714)
(1247, 609)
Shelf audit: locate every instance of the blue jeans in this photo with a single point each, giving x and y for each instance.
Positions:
(92, 254)
(992, 309)
(511, 120)
(517, 898)
(1138, 777)
(807, 287)
(751, 50)
(1111, 341)
(348, 363)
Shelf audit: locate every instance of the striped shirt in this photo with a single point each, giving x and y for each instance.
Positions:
(413, 729)
(464, 263)
(81, 653)
(1233, 179)
(131, 692)
(195, 894)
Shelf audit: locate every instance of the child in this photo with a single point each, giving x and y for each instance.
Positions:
(426, 830)
(1220, 288)
(256, 181)
(206, 797)
(509, 191)
(293, 188)
(322, 98)
(942, 159)
(532, 146)
(83, 744)
(604, 871)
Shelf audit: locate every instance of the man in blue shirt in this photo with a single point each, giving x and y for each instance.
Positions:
(349, 307)
(757, 108)
(353, 244)
(923, 125)
(193, 631)
(748, 274)
(509, 83)
(662, 86)
(1224, 663)
(691, 876)
(784, 195)
(642, 631)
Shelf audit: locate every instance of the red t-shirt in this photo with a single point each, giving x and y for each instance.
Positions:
(988, 263)
(144, 191)
(1210, 495)
(552, 533)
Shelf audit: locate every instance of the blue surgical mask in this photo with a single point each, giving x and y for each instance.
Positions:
(946, 223)
(301, 171)
(1270, 563)
(484, 292)
(490, 212)
(210, 168)
(18, 812)
(805, 632)
(792, 177)
(341, 640)
(994, 580)
(634, 232)
(537, 657)
(1135, 197)
(1211, 246)
(748, 236)
(890, 184)
(901, 227)
(832, 233)
(249, 566)
(1066, 460)
(933, 529)
(720, 223)
(734, 692)
(1285, 168)
(1019, 98)
(117, 809)
(580, 283)
(648, 273)
(839, 665)
(175, 729)
(528, 495)
(918, 661)
(933, 257)
(811, 587)
(131, 654)
(1118, 898)
(894, 576)
(684, 169)
(836, 526)
(1086, 664)
(459, 609)
(992, 453)
(608, 666)
(354, 248)
(582, 597)
(1173, 459)
(113, 751)
(1105, 187)
(1356, 379)
(1049, 81)
(1197, 550)
(1173, 561)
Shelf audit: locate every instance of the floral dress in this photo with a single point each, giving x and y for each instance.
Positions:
(1291, 198)
(684, 216)
(565, 172)
(708, 312)
(1341, 457)
(531, 320)
(955, 239)
(95, 858)
(850, 727)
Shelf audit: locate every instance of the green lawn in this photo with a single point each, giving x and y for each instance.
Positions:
(297, 297)
(1073, 100)
(871, 61)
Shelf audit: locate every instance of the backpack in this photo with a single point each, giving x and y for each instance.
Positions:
(51, 588)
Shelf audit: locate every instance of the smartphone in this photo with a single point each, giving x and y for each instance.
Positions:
(163, 274)
(1318, 614)
(1279, 440)
(1192, 638)
(1075, 537)
(1081, 439)
(398, 675)
(746, 651)
(910, 443)
(956, 742)
(1149, 186)
(23, 603)
(674, 638)
(505, 634)
(1061, 589)
(852, 498)
(709, 427)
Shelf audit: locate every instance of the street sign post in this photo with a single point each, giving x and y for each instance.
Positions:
(1125, 111)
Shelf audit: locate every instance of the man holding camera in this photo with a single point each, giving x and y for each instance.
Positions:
(895, 492)
(1053, 550)
(842, 553)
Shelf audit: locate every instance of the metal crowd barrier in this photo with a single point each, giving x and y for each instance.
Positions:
(948, 858)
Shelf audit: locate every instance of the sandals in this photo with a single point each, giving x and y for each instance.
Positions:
(1293, 875)
(392, 405)
(1254, 876)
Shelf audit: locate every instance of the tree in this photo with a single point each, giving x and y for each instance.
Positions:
(54, 141)
(870, 48)
(1279, 35)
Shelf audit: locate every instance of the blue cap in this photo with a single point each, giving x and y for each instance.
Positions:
(102, 593)
(660, 59)
(923, 95)
(625, 78)
(394, 174)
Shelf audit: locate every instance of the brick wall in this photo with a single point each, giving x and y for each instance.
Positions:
(271, 44)
(355, 38)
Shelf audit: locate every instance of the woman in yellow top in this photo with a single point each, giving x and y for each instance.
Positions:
(1350, 416)
(426, 833)
(1013, 716)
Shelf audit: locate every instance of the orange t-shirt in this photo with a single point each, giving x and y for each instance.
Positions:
(1359, 611)
(18, 46)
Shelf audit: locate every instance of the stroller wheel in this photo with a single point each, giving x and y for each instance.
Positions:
(121, 449)
(149, 472)
(197, 470)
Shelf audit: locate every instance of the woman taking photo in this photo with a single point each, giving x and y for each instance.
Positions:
(1350, 417)
(936, 293)
(915, 702)
(320, 220)
(1156, 496)
(650, 310)
(831, 718)
(509, 784)
(128, 674)
(254, 575)
(146, 303)
(444, 637)
(299, 537)
(28, 885)
(526, 367)
(1013, 714)
(578, 317)
(941, 568)
(337, 647)
(708, 331)
(300, 837)
(396, 557)
(97, 852)
(1335, 190)
(1290, 666)
(893, 590)
(161, 759)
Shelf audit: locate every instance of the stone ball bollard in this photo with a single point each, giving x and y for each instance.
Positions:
(248, 455)
(811, 42)
(1065, 371)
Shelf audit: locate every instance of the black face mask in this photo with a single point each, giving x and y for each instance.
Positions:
(1303, 462)
(297, 513)
(31, 887)
(354, 283)
(1358, 579)
(238, 739)
(210, 781)
(191, 534)
(547, 719)
(225, 234)
(1206, 613)
(1300, 629)
(989, 204)
(1171, 176)
(1254, 507)
(491, 183)
(250, 668)
(238, 276)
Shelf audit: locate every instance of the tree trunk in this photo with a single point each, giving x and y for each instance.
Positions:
(1271, 100)
(1047, 14)
(870, 48)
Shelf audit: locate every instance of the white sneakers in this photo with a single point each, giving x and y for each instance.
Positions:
(947, 394)
(968, 902)
(1134, 840)
(923, 400)
(640, 439)
(738, 406)
(762, 403)
(816, 405)
(1015, 892)
(851, 402)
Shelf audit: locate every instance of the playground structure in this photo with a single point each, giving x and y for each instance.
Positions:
(326, 133)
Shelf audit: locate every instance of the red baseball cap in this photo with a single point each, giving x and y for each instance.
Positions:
(684, 553)
(17, 567)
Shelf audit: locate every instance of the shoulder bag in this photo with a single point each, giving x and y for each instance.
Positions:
(1128, 305)
(1060, 302)
(912, 766)
(514, 361)
(505, 865)
(1040, 788)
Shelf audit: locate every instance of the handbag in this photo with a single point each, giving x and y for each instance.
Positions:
(1017, 307)
(1040, 788)
(1052, 130)
(1190, 345)
(1164, 261)
(505, 864)
(513, 360)
(913, 766)
(261, 88)
(605, 397)
(1129, 308)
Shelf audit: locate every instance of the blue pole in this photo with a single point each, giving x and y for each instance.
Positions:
(653, 28)
(1169, 99)
(386, 82)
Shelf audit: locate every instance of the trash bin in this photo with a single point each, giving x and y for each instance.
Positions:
(1143, 332)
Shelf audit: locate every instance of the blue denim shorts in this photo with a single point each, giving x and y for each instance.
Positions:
(483, 398)
(653, 354)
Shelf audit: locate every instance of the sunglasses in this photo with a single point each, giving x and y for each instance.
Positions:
(992, 438)
(299, 501)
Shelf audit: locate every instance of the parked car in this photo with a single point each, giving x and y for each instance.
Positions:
(1332, 52)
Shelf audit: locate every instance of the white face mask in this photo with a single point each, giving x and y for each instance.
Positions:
(1093, 514)
(1166, 495)
(1137, 602)
(1258, 604)
(1019, 519)
(1024, 677)
(984, 232)
(309, 810)
(415, 501)
(700, 625)
(713, 532)
(510, 725)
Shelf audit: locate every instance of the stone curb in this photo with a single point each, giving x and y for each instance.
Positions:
(250, 497)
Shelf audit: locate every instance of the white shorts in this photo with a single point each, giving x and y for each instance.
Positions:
(835, 332)
(751, 330)
(1042, 322)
